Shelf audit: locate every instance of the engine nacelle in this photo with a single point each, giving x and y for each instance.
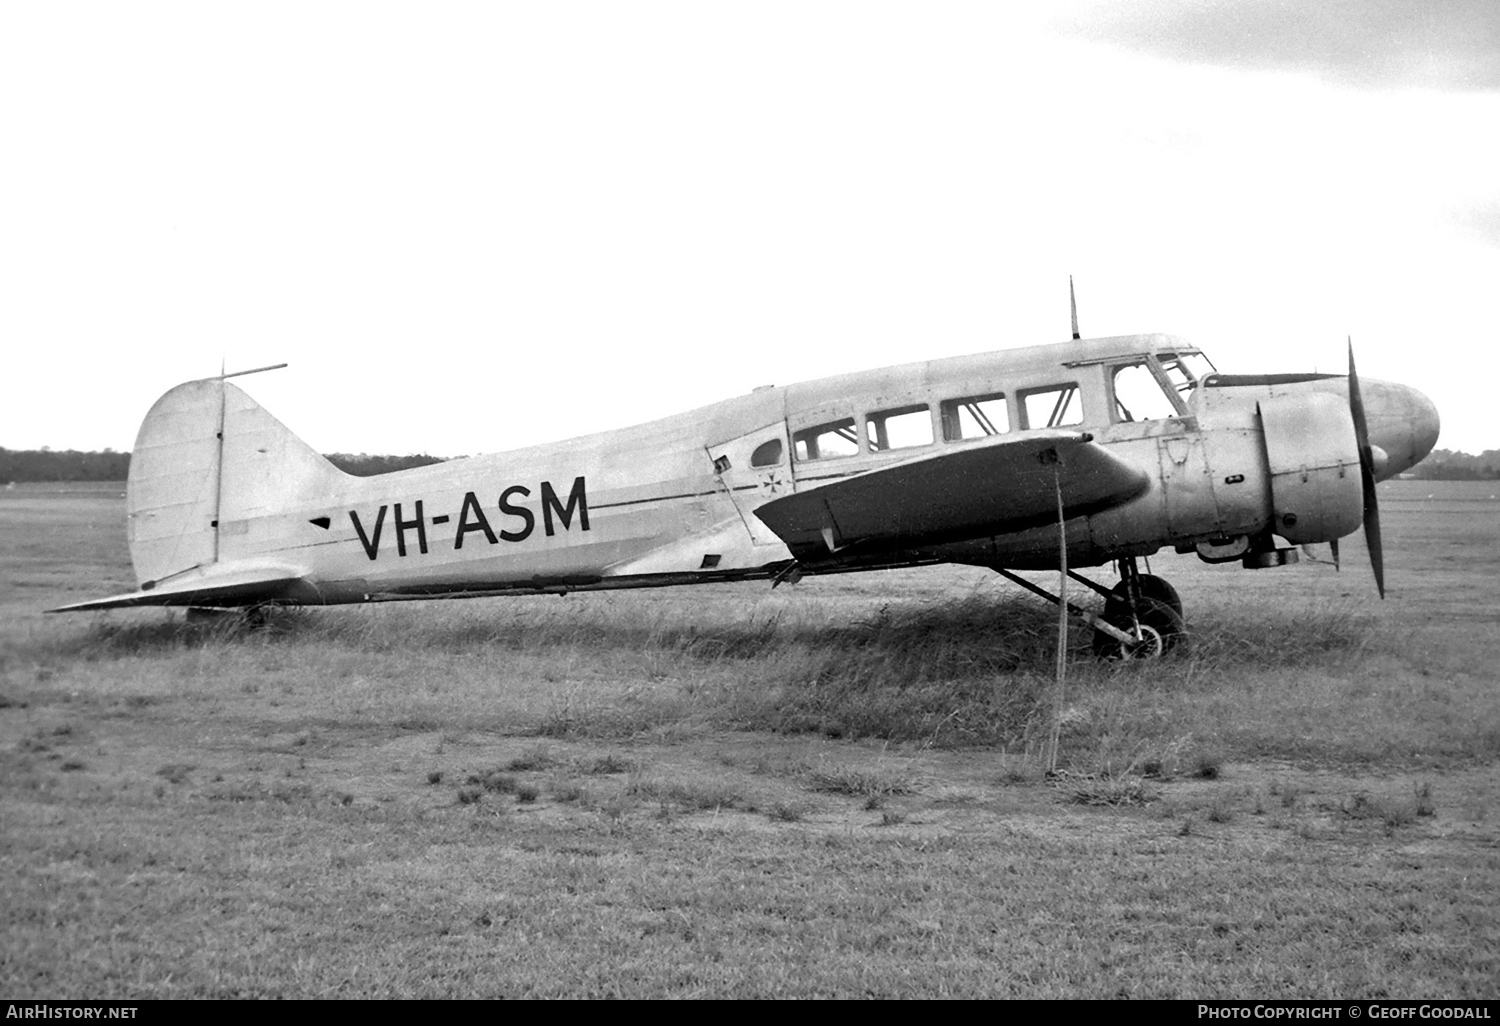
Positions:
(1316, 493)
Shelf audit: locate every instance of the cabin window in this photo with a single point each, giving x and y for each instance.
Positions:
(827, 441)
(974, 417)
(903, 428)
(767, 454)
(1053, 406)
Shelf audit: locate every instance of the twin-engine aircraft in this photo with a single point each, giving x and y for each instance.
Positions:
(1068, 455)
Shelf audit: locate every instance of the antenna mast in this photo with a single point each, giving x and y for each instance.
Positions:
(1073, 302)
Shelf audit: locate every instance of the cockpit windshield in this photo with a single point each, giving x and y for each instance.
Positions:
(1156, 386)
(1185, 369)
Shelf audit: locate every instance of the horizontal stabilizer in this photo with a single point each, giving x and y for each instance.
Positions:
(218, 587)
(1008, 484)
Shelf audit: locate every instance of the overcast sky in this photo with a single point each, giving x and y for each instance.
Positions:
(470, 227)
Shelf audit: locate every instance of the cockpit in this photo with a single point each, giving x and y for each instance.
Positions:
(1155, 386)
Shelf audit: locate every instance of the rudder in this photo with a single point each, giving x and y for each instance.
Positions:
(207, 457)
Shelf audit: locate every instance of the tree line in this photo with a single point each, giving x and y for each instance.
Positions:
(1447, 465)
(71, 465)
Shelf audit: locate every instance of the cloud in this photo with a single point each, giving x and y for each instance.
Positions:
(1482, 219)
(1440, 44)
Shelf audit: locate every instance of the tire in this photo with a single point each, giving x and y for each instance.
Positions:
(1161, 625)
(1157, 588)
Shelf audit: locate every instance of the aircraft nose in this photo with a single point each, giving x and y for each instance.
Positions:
(1402, 421)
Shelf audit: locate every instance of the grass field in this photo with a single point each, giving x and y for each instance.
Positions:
(829, 789)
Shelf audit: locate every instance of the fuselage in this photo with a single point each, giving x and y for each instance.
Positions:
(673, 501)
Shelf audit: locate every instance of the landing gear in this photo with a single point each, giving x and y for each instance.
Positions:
(1157, 610)
(1141, 605)
(1142, 616)
(1160, 626)
(253, 617)
(1156, 588)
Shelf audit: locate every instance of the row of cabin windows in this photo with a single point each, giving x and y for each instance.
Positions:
(1139, 393)
(909, 427)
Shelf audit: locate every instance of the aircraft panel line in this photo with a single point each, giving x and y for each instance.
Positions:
(654, 498)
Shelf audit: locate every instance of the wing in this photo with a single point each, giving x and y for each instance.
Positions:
(987, 488)
(229, 587)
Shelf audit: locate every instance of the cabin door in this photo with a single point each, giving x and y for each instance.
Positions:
(753, 469)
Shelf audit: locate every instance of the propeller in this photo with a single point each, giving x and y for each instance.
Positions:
(1366, 475)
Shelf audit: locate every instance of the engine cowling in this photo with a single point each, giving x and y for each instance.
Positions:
(1316, 494)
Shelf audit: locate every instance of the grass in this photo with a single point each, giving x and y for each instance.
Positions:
(822, 791)
(687, 795)
(1109, 790)
(872, 782)
(1392, 810)
(968, 671)
(539, 758)
(490, 907)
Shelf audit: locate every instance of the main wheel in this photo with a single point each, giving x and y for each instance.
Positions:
(1153, 587)
(1161, 628)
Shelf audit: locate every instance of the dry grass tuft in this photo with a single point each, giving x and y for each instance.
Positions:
(1391, 810)
(495, 780)
(175, 772)
(686, 795)
(1107, 790)
(786, 812)
(879, 782)
(539, 758)
(566, 790)
(608, 764)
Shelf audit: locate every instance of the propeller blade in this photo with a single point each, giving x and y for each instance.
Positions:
(1366, 476)
(1333, 547)
(1372, 536)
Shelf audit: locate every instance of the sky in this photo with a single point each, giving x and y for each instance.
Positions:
(472, 227)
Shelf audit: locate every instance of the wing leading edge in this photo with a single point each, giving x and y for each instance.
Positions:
(1006, 485)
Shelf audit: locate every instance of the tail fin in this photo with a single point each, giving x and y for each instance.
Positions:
(207, 459)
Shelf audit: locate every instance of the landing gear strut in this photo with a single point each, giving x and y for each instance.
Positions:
(1142, 616)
